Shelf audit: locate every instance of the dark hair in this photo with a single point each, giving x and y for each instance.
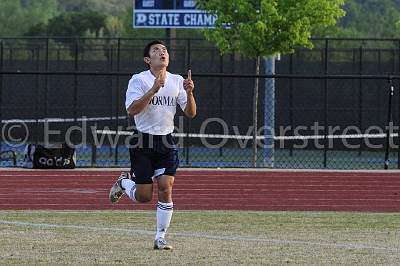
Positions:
(146, 52)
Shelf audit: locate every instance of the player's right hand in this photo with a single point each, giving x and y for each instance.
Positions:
(159, 81)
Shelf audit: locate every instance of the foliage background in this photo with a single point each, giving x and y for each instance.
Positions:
(364, 18)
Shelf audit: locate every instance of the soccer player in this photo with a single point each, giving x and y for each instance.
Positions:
(151, 98)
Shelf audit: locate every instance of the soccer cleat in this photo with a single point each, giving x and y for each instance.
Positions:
(161, 244)
(116, 190)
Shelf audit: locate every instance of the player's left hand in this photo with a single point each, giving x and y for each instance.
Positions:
(188, 83)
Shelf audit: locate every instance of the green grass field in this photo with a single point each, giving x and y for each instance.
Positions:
(199, 238)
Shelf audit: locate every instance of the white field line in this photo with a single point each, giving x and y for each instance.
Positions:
(183, 212)
(109, 230)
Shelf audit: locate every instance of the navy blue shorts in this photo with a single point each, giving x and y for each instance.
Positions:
(152, 156)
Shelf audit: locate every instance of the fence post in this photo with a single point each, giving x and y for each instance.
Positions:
(1, 87)
(389, 124)
(398, 96)
(187, 140)
(255, 112)
(326, 102)
(75, 91)
(37, 101)
(112, 108)
(112, 95)
(269, 113)
(221, 87)
(46, 80)
(117, 101)
(360, 96)
(398, 113)
(76, 68)
(291, 104)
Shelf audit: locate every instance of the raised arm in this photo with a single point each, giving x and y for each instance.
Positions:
(140, 104)
(188, 85)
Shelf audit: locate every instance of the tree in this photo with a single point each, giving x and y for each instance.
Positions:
(258, 28)
(72, 24)
(16, 17)
(109, 7)
(114, 26)
(366, 18)
(371, 18)
(76, 24)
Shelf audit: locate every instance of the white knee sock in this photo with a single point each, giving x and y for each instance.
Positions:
(130, 188)
(164, 215)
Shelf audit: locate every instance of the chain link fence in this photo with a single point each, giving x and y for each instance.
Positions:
(329, 105)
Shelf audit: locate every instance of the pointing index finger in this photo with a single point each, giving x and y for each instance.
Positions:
(189, 74)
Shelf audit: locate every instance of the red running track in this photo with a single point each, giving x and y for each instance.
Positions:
(208, 190)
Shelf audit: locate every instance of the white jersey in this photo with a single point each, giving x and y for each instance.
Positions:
(158, 117)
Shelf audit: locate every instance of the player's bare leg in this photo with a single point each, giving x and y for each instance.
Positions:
(136, 192)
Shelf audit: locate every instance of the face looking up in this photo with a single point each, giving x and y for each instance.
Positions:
(158, 56)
